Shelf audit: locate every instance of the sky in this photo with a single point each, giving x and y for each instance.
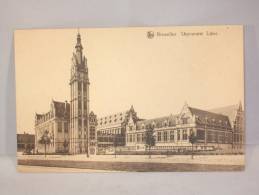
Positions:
(202, 66)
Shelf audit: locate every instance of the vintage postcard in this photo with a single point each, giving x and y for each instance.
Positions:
(130, 99)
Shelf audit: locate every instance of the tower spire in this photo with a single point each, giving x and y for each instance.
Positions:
(79, 48)
(78, 41)
(79, 101)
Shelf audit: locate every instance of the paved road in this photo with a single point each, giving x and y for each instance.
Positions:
(129, 166)
(37, 169)
(198, 159)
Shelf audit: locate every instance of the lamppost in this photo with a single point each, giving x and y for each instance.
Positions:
(86, 143)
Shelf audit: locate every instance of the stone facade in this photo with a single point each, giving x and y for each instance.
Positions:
(111, 129)
(213, 130)
(79, 113)
(92, 133)
(69, 128)
(55, 125)
(236, 117)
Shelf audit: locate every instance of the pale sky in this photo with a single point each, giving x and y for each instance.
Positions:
(126, 68)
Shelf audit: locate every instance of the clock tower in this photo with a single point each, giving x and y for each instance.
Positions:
(79, 110)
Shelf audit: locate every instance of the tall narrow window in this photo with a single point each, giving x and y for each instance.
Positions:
(185, 135)
(165, 136)
(159, 136)
(59, 126)
(92, 133)
(138, 138)
(171, 135)
(79, 87)
(178, 134)
(200, 134)
(66, 127)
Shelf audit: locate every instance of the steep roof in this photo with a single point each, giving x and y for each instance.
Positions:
(159, 122)
(38, 116)
(210, 118)
(116, 119)
(62, 109)
(112, 119)
(229, 111)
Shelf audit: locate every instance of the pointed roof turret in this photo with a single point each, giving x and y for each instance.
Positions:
(78, 42)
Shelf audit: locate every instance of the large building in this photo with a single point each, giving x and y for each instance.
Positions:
(217, 130)
(25, 142)
(72, 128)
(111, 129)
(52, 128)
(69, 127)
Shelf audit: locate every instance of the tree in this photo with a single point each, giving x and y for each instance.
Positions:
(192, 140)
(150, 139)
(45, 139)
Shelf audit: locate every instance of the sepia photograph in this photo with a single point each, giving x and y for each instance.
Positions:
(135, 99)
